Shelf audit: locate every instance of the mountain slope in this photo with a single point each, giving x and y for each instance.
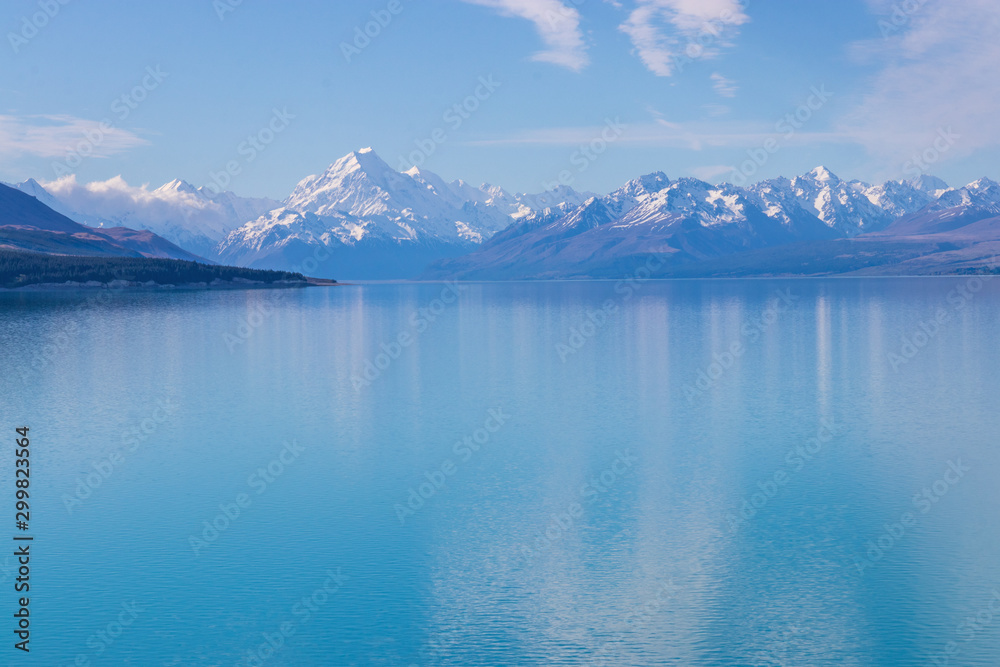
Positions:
(196, 219)
(28, 224)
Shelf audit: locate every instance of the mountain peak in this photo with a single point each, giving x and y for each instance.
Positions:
(982, 184)
(366, 156)
(823, 175)
(654, 181)
(31, 186)
(365, 160)
(927, 183)
(647, 184)
(177, 185)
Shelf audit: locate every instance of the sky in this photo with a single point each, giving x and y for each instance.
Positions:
(255, 95)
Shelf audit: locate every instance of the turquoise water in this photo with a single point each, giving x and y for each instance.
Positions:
(645, 473)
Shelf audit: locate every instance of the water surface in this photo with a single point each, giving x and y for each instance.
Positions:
(661, 473)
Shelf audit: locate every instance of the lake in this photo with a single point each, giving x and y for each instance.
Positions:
(766, 472)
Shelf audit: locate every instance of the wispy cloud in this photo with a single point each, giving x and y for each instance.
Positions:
(54, 136)
(936, 68)
(723, 86)
(664, 31)
(556, 22)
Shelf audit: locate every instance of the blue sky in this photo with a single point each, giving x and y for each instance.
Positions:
(689, 87)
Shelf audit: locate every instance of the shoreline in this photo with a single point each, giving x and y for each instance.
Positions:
(150, 286)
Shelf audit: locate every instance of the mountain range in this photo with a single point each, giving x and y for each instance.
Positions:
(803, 226)
(361, 219)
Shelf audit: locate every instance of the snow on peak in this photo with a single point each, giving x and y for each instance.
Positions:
(178, 185)
(984, 193)
(366, 160)
(369, 159)
(653, 182)
(982, 184)
(823, 175)
(932, 185)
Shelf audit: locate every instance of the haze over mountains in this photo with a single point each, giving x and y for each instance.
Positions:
(361, 219)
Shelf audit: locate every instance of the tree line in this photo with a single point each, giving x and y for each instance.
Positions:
(18, 269)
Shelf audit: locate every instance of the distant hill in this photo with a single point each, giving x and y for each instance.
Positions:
(38, 246)
(28, 224)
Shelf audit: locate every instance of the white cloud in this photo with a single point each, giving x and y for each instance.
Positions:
(117, 201)
(55, 136)
(667, 33)
(937, 66)
(723, 86)
(556, 22)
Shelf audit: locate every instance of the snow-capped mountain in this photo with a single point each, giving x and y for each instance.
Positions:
(234, 210)
(196, 219)
(35, 189)
(390, 224)
(846, 207)
(983, 194)
(931, 185)
(689, 221)
(516, 206)
(360, 218)
(415, 203)
(377, 222)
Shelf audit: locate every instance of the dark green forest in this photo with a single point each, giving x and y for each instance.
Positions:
(18, 269)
